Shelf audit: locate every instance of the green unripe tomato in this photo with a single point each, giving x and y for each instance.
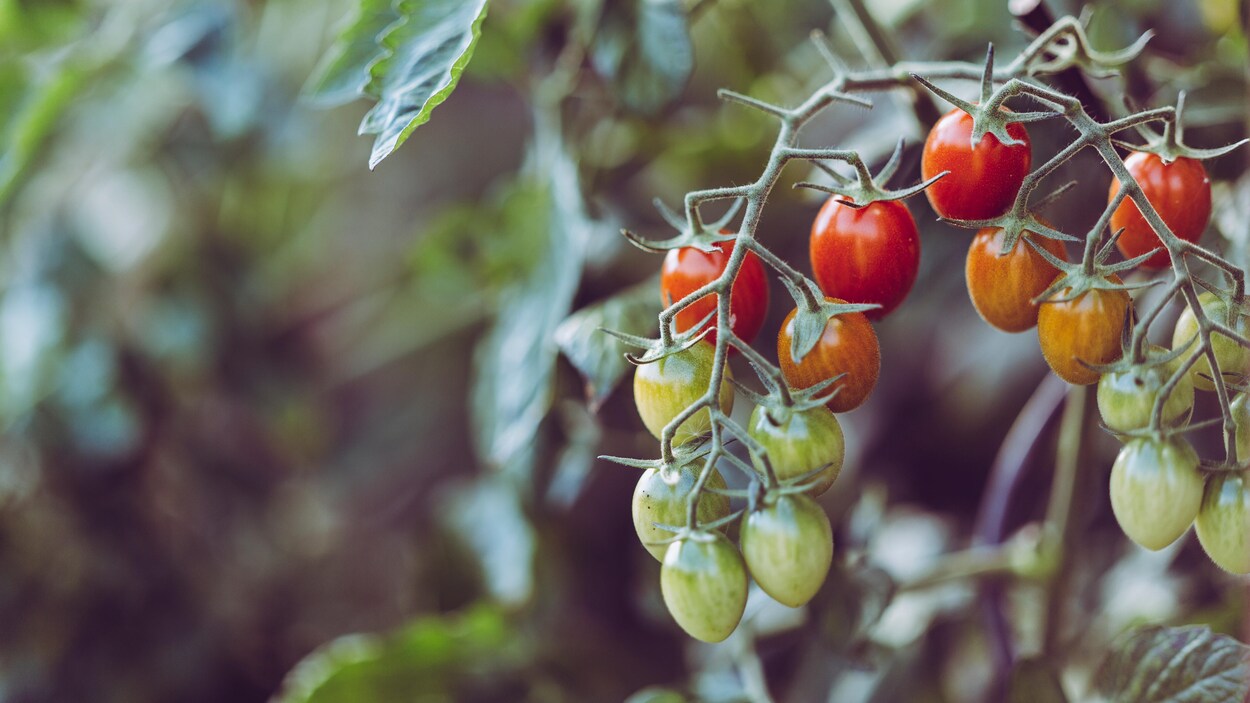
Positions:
(1234, 359)
(800, 443)
(1223, 523)
(1126, 398)
(1240, 407)
(704, 584)
(788, 547)
(1156, 490)
(664, 388)
(661, 497)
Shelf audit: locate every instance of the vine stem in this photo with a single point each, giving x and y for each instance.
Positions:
(1059, 510)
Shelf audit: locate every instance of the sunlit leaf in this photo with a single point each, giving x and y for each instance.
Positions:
(1175, 665)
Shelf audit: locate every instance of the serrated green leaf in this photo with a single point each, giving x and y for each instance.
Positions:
(597, 355)
(643, 47)
(1175, 665)
(344, 72)
(425, 52)
(408, 54)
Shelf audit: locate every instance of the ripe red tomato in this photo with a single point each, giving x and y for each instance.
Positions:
(687, 269)
(1179, 191)
(849, 345)
(983, 180)
(866, 255)
(1086, 328)
(1002, 288)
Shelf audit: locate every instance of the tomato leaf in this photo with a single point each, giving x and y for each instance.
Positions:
(408, 54)
(596, 355)
(428, 655)
(643, 48)
(1177, 665)
(515, 363)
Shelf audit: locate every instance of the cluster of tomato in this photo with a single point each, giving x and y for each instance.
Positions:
(869, 253)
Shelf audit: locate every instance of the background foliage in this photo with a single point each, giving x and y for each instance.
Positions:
(255, 398)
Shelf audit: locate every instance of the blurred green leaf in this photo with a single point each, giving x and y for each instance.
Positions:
(653, 694)
(1175, 665)
(423, 661)
(513, 387)
(852, 601)
(1035, 681)
(643, 48)
(409, 56)
(488, 516)
(597, 355)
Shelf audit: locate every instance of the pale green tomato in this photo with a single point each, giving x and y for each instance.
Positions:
(800, 443)
(664, 388)
(662, 498)
(1234, 359)
(704, 584)
(1126, 398)
(788, 547)
(1240, 406)
(1223, 523)
(1156, 490)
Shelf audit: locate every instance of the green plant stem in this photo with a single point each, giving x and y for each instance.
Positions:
(971, 563)
(1059, 510)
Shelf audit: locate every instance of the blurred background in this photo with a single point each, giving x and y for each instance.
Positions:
(259, 402)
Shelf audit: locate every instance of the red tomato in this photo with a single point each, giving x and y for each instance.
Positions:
(849, 345)
(1179, 191)
(866, 255)
(983, 181)
(688, 269)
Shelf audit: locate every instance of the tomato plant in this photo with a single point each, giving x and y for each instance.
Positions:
(866, 254)
(848, 346)
(688, 269)
(1223, 523)
(798, 442)
(666, 387)
(788, 546)
(1002, 286)
(1126, 398)
(1084, 329)
(1181, 193)
(1234, 359)
(984, 178)
(704, 584)
(661, 497)
(1156, 490)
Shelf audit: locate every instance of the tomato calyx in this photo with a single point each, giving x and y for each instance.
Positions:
(813, 312)
(1169, 144)
(864, 189)
(691, 230)
(656, 349)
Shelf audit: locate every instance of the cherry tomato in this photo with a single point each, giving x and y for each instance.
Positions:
(1086, 328)
(664, 388)
(848, 345)
(687, 269)
(1240, 407)
(1126, 398)
(661, 497)
(983, 180)
(1234, 359)
(1156, 490)
(1180, 192)
(1223, 523)
(1002, 288)
(801, 442)
(788, 547)
(866, 255)
(704, 584)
